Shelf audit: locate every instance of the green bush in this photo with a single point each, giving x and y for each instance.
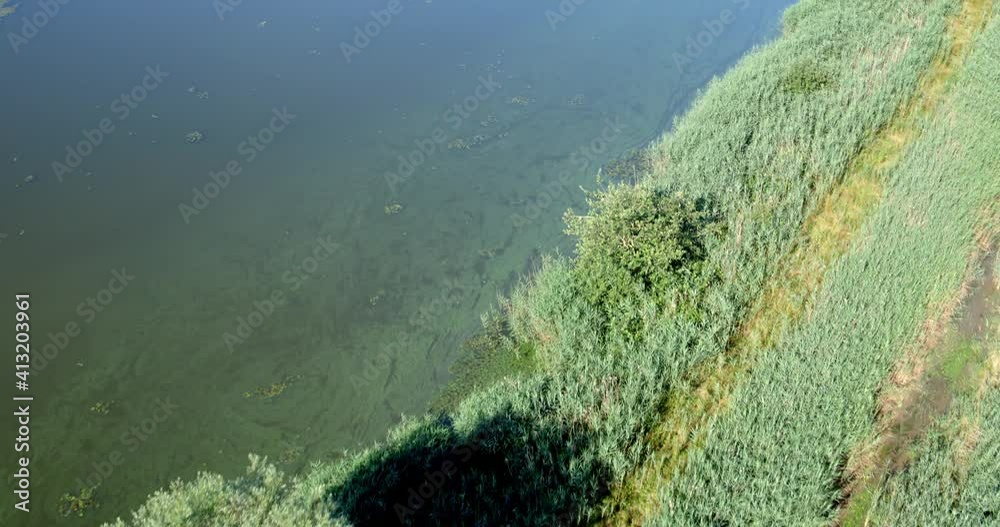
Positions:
(641, 240)
(806, 77)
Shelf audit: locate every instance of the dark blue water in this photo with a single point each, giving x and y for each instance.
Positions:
(322, 293)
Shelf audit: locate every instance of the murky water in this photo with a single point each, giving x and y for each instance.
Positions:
(272, 234)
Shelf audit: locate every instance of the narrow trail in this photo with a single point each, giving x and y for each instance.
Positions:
(825, 236)
(950, 360)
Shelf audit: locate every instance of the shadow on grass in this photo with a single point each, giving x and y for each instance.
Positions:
(511, 470)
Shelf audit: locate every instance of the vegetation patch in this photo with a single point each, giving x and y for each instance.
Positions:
(6, 10)
(640, 240)
(487, 358)
(78, 504)
(939, 403)
(629, 168)
(807, 77)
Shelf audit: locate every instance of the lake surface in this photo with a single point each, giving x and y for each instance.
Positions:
(303, 270)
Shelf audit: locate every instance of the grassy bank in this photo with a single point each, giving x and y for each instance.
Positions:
(787, 448)
(790, 293)
(780, 169)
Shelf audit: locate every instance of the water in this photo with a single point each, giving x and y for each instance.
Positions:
(160, 380)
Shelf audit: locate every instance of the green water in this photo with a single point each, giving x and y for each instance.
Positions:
(405, 265)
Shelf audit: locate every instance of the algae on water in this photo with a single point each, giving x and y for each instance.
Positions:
(6, 10)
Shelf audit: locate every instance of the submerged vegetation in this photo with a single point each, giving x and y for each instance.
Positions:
(714, 351)
(78, 505)
(6, 10)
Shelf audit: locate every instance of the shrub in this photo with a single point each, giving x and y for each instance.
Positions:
(641, 240)
(806, 77)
